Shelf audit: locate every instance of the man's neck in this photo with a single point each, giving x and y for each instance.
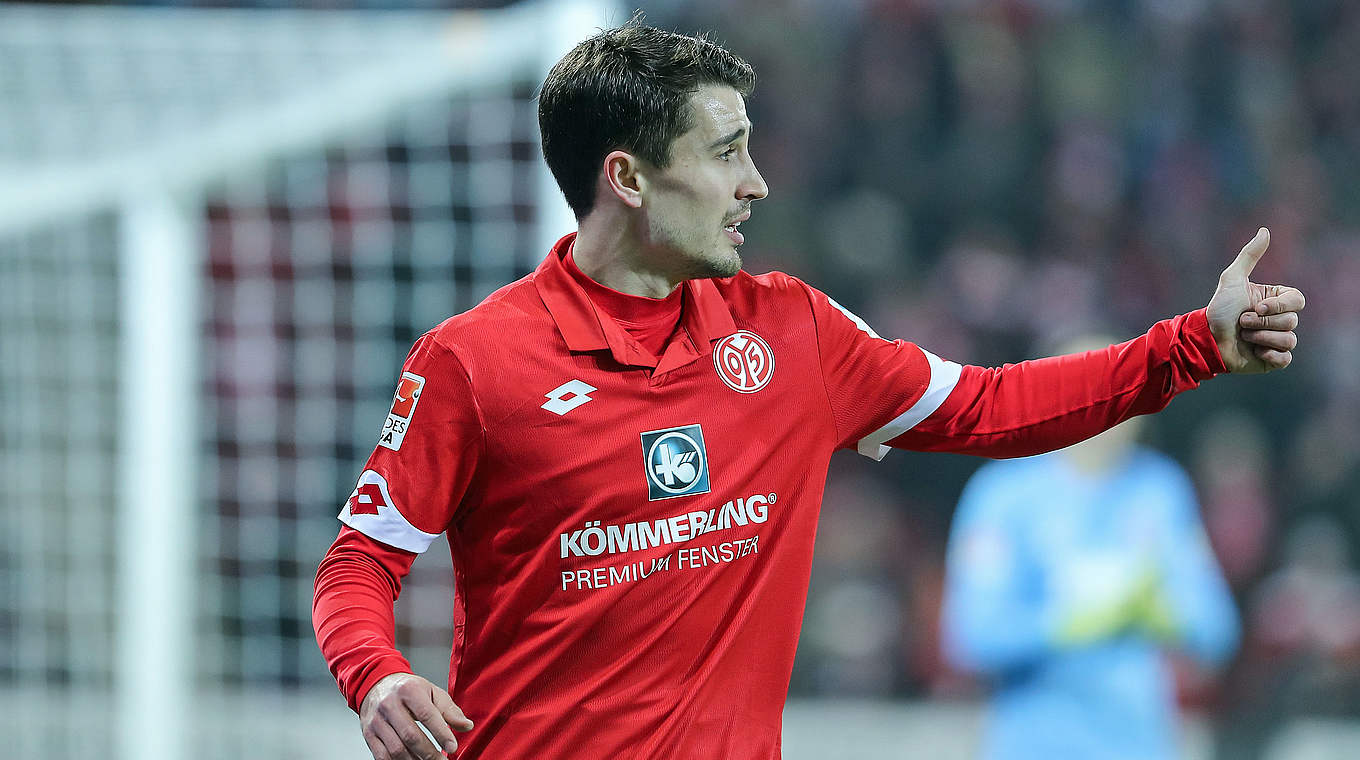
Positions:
(608, 254)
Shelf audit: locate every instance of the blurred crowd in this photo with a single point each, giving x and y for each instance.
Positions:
(987, 178)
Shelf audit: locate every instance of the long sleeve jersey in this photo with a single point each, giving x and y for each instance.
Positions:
(632, 530)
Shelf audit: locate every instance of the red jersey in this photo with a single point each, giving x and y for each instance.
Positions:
(632, 533)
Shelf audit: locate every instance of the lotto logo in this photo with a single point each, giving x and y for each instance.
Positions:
(744, 361)
(371, 511)
(568, 396)
(366, 499)
(675, 461)
(369, 495)
(403, 409)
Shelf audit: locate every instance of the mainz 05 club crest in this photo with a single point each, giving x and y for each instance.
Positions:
(744, 361)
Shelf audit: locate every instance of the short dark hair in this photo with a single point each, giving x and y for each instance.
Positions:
(626, 88)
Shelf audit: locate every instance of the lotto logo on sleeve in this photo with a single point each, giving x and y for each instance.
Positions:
(403, 408)
(371, 511)
(369, 496)
(676, 462)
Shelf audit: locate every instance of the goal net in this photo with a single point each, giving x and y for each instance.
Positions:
(220, 231)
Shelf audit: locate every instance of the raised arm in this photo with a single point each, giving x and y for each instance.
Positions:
(1046, 404)
(892, 393)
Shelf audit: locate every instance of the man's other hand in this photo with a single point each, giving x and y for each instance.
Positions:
(1254, 324)
(394, 710)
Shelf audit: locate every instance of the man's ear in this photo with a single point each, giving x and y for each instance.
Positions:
(622, 177)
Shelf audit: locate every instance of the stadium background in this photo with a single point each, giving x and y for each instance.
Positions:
(981, 178)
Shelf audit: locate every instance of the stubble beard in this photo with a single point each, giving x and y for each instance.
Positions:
(717, 259)
(726, 266)
(715, 264)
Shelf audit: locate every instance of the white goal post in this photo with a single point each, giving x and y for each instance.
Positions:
(188, 378)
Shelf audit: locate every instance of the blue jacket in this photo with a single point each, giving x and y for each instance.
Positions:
(1044, 564)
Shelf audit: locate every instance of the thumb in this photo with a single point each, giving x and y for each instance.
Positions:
(1249, 255)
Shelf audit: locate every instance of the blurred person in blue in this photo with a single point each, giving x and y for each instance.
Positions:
(1069, 576)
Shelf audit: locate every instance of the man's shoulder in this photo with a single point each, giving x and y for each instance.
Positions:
(511, 313)
(773, 281)
(763, 292)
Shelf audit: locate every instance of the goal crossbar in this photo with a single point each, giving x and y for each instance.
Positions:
(447, 53)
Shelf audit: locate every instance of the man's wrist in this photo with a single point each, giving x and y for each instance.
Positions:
(1199, 336)
(371, 679)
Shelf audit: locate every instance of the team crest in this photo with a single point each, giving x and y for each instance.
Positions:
(676, 462)
(403, 409)
(744, 361)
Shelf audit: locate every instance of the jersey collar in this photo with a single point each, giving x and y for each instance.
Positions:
(704, 314)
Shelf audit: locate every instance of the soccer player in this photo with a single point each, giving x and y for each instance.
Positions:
(1068, 576)
(627, 449)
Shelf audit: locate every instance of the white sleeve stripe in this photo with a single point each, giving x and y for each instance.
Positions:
(391, 531)
(381, 519)
(861, 324)
(944, 375)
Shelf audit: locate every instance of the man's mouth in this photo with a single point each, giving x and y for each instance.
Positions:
(733, 235)
(731, 229)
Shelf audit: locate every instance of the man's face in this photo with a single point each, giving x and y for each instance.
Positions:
(694, 205)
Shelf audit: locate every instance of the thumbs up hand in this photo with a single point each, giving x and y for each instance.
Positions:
(1254, 324)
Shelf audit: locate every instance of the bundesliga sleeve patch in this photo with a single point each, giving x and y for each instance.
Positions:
(370, 511)
(403, 409)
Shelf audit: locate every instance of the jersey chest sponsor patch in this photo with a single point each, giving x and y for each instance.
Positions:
(403, 409)
(676, 462)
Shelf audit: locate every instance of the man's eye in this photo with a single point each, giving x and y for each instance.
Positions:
(727, 153)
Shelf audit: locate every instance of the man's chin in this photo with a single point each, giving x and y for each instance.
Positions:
(725, 262)
(727, 265)
(719, 264)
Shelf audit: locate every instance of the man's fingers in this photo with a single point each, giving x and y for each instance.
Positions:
(1280, 300)
(1275, 359)
(417, 743)
(1253, 321)
(1250, 254)
(375, 746)
(399, 710)
(433, 719)
(453, 715)
(396, 717)
(387, 737)
(1282, 340)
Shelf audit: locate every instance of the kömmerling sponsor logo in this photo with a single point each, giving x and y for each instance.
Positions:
(595, 539)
